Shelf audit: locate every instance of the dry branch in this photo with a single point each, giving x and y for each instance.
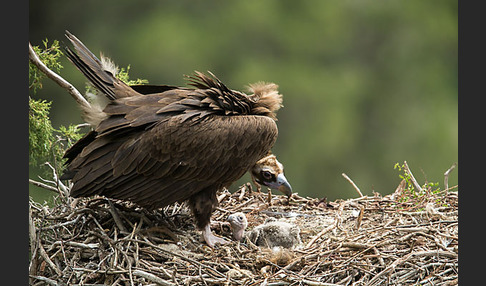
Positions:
(42, 185)
(34, 58)
(446, 175)
(152, 278)
(353, 184)
(414, 181)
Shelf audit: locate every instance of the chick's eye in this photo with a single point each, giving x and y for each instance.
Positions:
(266, 175)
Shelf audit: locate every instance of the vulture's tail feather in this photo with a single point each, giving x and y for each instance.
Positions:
(101, 73)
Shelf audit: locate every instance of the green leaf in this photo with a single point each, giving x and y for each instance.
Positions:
(50, 57)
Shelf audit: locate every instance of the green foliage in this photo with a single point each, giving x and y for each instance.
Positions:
(40, 131)
(410, 192)
(123, 76)
(70, 134)
(405, 176)
(50, 57)
(46, 143)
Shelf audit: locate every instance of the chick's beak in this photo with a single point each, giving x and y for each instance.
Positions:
(230, 218)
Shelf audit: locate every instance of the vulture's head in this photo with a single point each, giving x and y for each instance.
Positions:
(238, 223)
(269, 171)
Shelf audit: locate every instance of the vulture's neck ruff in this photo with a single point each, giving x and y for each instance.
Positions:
(265, 100)
(155, 145)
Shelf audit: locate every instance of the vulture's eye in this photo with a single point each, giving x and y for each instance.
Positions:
(240, 218)
(266, 175)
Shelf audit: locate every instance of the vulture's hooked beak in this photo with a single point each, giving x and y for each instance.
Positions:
(281, 184)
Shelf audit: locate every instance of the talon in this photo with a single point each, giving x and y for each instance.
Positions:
(212, 239)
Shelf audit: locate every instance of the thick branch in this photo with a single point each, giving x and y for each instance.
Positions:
(34, 58)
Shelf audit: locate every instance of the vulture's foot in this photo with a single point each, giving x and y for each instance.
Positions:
(212, 239)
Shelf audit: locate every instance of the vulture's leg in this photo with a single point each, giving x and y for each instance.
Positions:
(202, 205)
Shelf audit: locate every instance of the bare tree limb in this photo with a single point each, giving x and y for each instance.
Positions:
(34, 58)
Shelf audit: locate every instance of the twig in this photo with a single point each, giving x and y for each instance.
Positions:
(33, 243)
(42, 185)
(46, 280)
(446, 175)
(116, 217)
(376, 279)
(414, 181)
(175, 254)
(63, 224)
(152, 278)
(378, 255)
(360, 214)
(317, 283)
(130, 275)
(44, 255)
(76, 244)
(321, 233)
(353, 184)
(32, 231)
(242, 194)
(426, 253)
(108, 271)
(34, 58)
(62, 188)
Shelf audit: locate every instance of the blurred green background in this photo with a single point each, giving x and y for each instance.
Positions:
(366, 84)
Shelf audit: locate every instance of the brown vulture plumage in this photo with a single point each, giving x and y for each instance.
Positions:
(156, 145)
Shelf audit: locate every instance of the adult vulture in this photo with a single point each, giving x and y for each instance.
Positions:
(156, 145)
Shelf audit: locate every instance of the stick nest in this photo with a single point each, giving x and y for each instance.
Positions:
(396, 239)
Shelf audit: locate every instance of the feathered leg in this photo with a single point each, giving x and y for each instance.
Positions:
(202, 206)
